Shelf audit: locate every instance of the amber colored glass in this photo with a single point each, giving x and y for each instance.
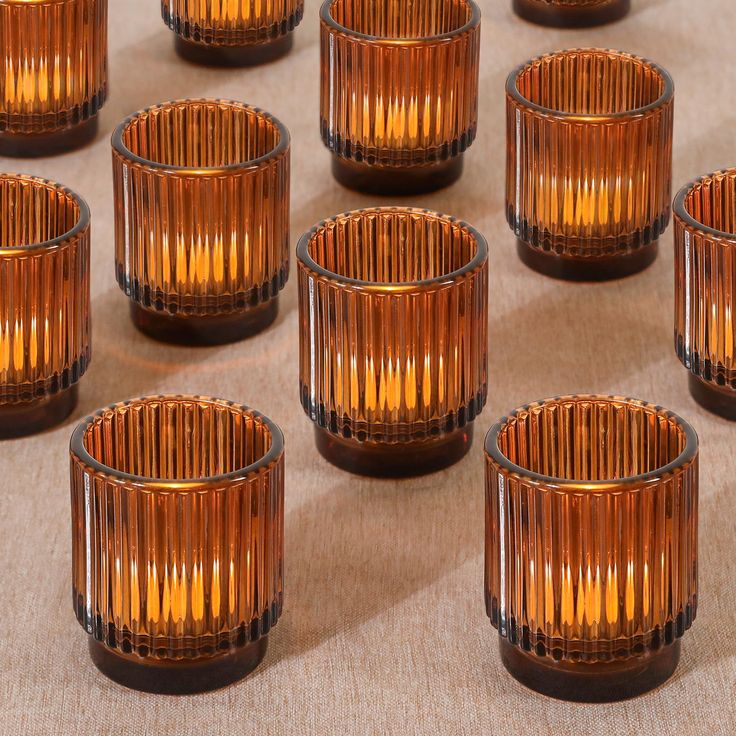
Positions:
(44, 302)
(591, 544)
(202, 219)
(177, 540)
(399, 91)
(53, 55)
(232, 32)
(393, 306)
(571, 13)
(589, 162)
(705, 289)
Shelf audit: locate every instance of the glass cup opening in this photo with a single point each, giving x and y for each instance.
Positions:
(590, 439)
(591, 82)
(178, 439)
(37, 212)
(393, 247)
(392, 20)
(202, 134)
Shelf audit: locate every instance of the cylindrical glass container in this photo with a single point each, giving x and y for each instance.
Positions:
(53, 54)
(589, 162)
(232, 32)
(177, 540)
(591, 544)
(399, 91)
(705, 289)
(393, 306)
(202, 219)
(571, 13)
(44, 302)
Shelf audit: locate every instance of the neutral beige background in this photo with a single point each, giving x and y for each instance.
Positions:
(384, 628)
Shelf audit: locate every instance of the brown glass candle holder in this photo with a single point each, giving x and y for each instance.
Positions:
(177, 540)
(399, 91)
(393, 306)
(705, 289)
(44, 302)
(202, 219)
(571, 13)
(54, 80)
(235, 33)
(591, 544)
(589, 162)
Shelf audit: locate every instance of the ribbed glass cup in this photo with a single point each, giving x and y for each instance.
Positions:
(591, 544)
(44, 302)
(589, 162)
(53, 54)
(232, 32)
(571, 13)
(399, 91)
(705, 289)
(202, 219)
(177, 540)
(393, 306)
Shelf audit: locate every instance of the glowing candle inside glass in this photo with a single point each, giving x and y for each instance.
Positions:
(589, 162)
(591, 544)
(399, 91)
(393, 354)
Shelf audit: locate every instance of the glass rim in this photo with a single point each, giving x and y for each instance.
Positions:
(82, 223)
(691, 222)
(325, 15)
(305, 257)
(201, 171)
(36, 2)
(666, 95)
(689, 452)
(79, 452)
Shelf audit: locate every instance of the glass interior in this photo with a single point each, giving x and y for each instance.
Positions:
(712, 201)
(401, 18)
(392, 247)
(589, 440)
(176, 439)
(201, 134)
(33, 212)
(590, 82)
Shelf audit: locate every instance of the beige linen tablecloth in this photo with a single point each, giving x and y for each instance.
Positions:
(384, 629)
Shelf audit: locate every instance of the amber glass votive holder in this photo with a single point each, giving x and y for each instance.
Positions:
(591, 544)
(399, 91)
(44, 302)
(53, 54)
(232, 32)
(571, 13)
(589, 162)
(201, 219)
(705, 289)
(393, 306)
(177, 540)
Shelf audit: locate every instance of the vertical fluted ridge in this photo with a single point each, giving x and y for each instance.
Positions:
(54, 63)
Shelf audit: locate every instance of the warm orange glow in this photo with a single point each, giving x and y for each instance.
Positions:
(595, 524)
(54, 57)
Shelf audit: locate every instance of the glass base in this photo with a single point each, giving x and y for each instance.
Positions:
(196, 331)
(29, 417)
(383, 460)
(250, 55)
(602, 682)
(177, 677)
(543, 13)
(716, 399)
(587, 269)
(394, 180)
(35, 145)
